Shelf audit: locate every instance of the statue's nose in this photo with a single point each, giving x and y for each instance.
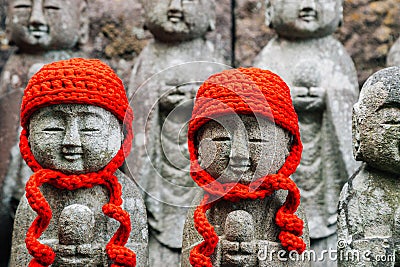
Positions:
(308, 5)
(175, 6)
(239, 155)
(72, 137)
(37, 17)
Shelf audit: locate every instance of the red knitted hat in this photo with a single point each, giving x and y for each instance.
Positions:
(76, 81)
(256, 92)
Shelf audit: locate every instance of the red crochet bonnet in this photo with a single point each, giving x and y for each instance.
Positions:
(255, 92)
(76, 81)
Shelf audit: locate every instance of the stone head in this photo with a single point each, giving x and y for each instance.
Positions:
(179, 20)
(74, 138)
(76, 225)
(243, 128)
(75, 117)
(43, 25)
(302, 19)
(242, 148)
(376, 121)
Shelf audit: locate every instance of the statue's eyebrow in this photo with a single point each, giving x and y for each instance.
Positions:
(53, 112)
(88, 113)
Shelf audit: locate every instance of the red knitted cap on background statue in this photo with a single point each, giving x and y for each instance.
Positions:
(76, 81)
(249, 91)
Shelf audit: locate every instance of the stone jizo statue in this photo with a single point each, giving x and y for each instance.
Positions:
(43, 32)
(369, 211)
(163, 84)
(77, 130)
(244, 143)
(323, 83)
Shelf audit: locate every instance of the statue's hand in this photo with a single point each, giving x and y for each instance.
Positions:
(308, 99)
(230, 246)
(80, 255)
(298, 91)
(239, 253)
(172, 100)
(317, 92)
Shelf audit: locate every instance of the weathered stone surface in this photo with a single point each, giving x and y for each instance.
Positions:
(323, 84)
(83, 139)
(163, 104)
(368, 215)
(393, 58)
(246, 229)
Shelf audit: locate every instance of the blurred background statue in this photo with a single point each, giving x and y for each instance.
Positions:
(323, 83)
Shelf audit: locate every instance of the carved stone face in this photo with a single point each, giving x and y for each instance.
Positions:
(376, 126)
(242, 148)
(74, 138)
(178, 20)
(304, 18)
(42, 25)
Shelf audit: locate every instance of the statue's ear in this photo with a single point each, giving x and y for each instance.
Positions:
(84, 23)
(211, 25)
(200, 152)
(357, 149)
(289, 137)
(7, 25)
(341, 16)
(212, 17)
(268, 13)
(122, 127)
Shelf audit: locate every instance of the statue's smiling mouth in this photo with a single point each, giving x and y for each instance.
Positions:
(239, 167)
(72, 154)
(72, 157)
(38, 31)
(175, 17)
(308, 15)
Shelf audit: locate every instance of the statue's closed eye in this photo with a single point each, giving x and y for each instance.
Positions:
(392, 122)
(53, 129)
(90, 130)
(52, 7)
(258, 140)
(22, 6)
(221, 139)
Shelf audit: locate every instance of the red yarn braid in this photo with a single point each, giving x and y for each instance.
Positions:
(86, 82)
(246, 91)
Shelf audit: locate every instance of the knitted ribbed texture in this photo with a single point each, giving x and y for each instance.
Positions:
(76, 81)
(256, 92)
